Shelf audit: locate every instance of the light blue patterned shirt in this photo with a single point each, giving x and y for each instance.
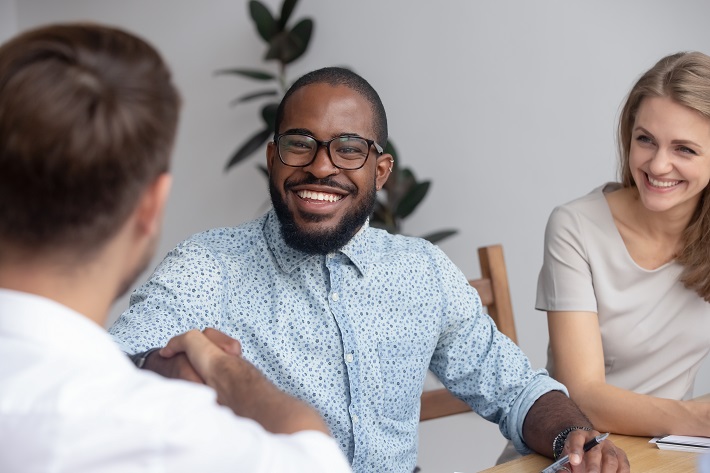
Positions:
(352, 332)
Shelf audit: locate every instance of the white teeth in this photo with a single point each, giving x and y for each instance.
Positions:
(319, 196)
(656, 183)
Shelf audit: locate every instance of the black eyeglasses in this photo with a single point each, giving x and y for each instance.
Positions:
(345, 152)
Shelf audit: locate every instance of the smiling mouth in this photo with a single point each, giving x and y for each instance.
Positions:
(319, 196)
(661, 184)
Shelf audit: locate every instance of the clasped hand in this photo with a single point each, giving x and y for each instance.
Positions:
(191, 356)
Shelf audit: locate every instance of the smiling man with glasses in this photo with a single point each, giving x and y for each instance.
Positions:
(324, 170)
(339, 314)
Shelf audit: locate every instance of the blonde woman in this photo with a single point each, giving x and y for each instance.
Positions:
(626, 273)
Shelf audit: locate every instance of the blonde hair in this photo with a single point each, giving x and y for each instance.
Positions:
(684, 78)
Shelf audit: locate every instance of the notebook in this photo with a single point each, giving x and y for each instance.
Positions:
(683, 443)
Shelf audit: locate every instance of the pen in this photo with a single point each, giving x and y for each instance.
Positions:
(559, 464)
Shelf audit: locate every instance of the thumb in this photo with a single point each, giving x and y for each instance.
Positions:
(228, 344)
(191, 343)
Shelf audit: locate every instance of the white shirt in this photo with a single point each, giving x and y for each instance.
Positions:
(71, 401)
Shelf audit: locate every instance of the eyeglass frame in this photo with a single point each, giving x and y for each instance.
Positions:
(326, 145)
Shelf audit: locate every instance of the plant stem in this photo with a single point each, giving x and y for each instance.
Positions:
(282, 77)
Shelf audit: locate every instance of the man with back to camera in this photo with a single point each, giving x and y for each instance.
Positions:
(87, 122)
(344, 316)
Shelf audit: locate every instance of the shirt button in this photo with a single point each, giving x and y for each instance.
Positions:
(335, 297)
(355, 418)
(349, 357)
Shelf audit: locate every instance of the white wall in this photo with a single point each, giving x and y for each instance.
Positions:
(8, 19)
(509, 107)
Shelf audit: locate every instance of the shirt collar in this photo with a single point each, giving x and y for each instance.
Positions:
(37, 319)
(289, 258)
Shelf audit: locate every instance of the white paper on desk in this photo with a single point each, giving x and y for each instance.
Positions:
(683, 443)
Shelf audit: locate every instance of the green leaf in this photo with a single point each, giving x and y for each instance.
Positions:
(251, 145)
(378, 213)
(390, 149)
(253, 95)
(264, 170)
(440, 235)
(384, 226)
(268, 114)
(410, 201)
(250, 73)
(265, 23)
(283, 46)
(407, 174)
(303, 31)
(280, 47)
(286, 9)
(382, 216)
(399, 184)
(288, 46)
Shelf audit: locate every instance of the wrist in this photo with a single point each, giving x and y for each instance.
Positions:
(139, 359)
(558, 444)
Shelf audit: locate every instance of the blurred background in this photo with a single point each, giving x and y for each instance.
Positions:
(509, 108)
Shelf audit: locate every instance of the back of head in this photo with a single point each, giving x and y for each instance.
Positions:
(340, 76)
(683, 77)
(88, 116)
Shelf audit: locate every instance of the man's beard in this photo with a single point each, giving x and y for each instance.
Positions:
(324, 241)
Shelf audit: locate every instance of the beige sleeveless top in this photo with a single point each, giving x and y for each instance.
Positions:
(655, 332)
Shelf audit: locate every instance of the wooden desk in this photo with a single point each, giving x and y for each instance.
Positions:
(643, 456)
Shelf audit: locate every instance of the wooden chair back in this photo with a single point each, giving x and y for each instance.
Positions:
(494, 291)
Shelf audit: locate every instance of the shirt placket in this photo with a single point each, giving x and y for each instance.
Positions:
(351, 357)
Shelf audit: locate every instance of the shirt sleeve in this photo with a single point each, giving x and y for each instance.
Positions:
(186, 291)
(236, 444)
(480, 365)
(178, 426)
(565, 280)
(212, 439)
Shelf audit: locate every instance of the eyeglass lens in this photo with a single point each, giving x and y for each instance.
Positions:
(346, 152)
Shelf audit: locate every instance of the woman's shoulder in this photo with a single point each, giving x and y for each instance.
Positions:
(592, 205)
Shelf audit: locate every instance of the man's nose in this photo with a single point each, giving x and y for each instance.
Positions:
(322, 165)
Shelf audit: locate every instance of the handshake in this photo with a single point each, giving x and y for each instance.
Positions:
(213, 358)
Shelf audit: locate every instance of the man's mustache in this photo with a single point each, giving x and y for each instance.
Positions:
(328, 181)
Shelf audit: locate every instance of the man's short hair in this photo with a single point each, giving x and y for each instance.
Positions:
(340, 76)
(88, 116)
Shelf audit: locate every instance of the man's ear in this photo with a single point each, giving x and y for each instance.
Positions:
(385, 165)
(270, 155)
(149, 213)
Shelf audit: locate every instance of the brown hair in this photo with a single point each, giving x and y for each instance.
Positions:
(88, 116)
(685, 78)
